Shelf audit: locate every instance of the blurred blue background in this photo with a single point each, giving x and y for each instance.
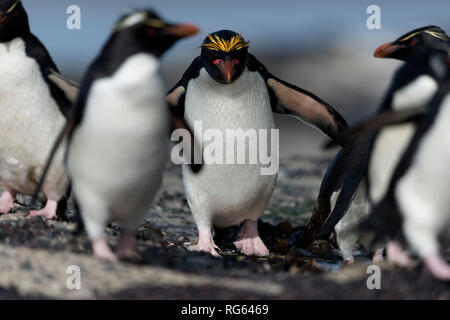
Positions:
(323, 46)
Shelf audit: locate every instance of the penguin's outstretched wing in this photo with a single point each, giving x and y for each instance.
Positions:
(289, 99)
(175, 99)
(383, 119)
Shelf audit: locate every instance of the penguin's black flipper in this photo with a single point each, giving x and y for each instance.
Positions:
(385, 220)
(288, 99)
(179, 123)
(344, 174)
(36, 50)
(74, 119)
(331, 182)
(354, 170)
(379, 121)
(176, 96)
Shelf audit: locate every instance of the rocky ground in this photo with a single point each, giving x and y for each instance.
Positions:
(35, 255)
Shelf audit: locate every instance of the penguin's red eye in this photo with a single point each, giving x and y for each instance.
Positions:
(217, 61)
(151, 32)
(413, 42)
(235, 61)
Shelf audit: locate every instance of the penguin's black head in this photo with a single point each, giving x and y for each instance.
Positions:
(13, 20)
(404, 46)
(153, 34)
(224, 55)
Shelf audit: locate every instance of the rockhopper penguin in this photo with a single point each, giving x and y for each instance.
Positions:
(343, 201)
(118, 135)
(34, 101)
(415, 205)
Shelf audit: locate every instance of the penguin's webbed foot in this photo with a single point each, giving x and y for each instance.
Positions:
(49, 211)
(7, 201)
(396, 255)
(249, 242)
(438, 267)
(205, 243)
(103, 251)
(350, 260)
(378, 256)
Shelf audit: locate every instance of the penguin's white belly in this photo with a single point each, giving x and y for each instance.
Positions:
(392, 142)
(30, 120)
(227, 194)
(120, 149)
(422, 193)
(389, 147)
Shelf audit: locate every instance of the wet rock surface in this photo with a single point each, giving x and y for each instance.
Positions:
(35, 255)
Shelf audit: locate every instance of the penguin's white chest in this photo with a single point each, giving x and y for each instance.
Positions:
(227, 194)
(422, 193)
(119, 150)
(388, 150)
(426, 181)
(29, 119)
(392, 141)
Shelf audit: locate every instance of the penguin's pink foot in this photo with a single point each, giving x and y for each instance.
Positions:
(205, 243)
(49, 212)
(438, 267)
(126, 247)
(378, 256)
(396, 255)
(350, 260)
(7, 201)
(103, 251)
(249, 242)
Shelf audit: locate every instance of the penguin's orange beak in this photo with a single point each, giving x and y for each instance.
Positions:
(226, 68)
(386, 50)
(183, 30)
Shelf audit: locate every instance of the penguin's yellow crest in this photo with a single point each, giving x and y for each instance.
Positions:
(430, 32)
(219, 44)
(437, 35)
(12, 7)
